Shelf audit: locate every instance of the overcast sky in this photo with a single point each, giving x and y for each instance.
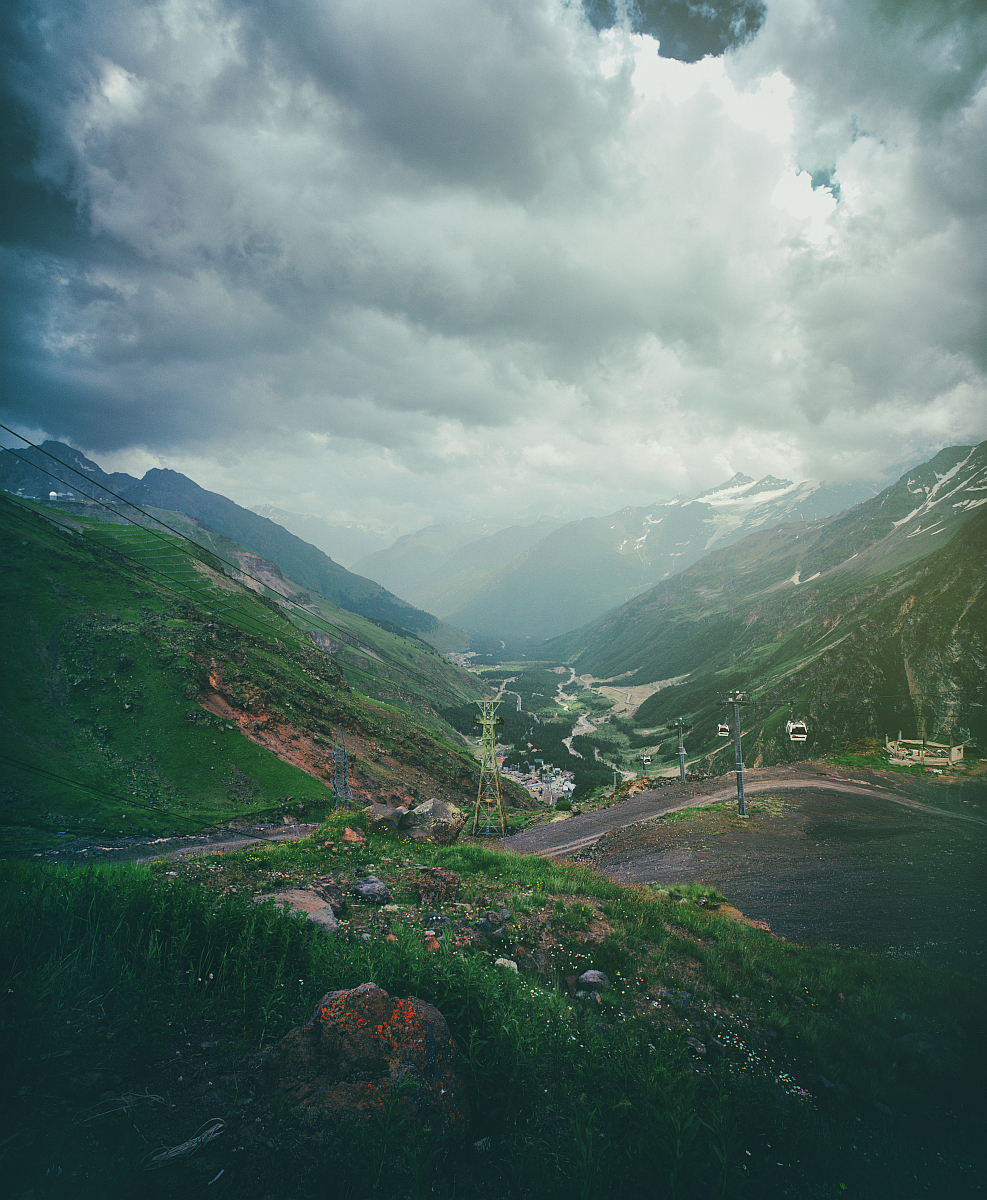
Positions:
(411, 260)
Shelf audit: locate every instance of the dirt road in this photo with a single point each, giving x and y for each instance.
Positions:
(567, 837)
(148, 849)
(883, 862)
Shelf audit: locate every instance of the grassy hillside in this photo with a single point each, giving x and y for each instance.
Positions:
(146, 690)
(721, 1062)
(34, 471)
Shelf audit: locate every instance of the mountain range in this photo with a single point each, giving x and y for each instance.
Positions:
(872, 620)
(544, 579)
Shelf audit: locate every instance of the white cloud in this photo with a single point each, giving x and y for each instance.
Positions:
(402, 263)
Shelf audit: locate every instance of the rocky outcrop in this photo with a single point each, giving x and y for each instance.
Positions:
(362, 1051)
(372, 890)
(434, 821)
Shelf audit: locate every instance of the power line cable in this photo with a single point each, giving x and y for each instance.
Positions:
(184, 596)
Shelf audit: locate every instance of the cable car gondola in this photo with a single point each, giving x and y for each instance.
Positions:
(722, 730)
(797, 730)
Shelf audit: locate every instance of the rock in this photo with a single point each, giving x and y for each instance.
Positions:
(353, 837)
(385, 818)
(697, 1045)
(715, 1047)
(434, 821)
(308, 902)
(509, 963)
(504, 914)
(361, 1051)
(330, 891)
(371, 890)
(593, 981)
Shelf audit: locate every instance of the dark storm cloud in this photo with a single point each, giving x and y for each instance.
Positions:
(478, 97)
(481, 251)
(684, 29)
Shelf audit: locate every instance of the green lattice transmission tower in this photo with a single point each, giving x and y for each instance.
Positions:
(488, 795)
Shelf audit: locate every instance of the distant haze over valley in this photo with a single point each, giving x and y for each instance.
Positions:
(547, 578)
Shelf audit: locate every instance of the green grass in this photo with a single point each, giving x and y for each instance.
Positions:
(101, 728)
(125, 966)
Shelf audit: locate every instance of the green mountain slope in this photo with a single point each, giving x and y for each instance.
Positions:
(871, 621)
(144, 689)
(28, 472)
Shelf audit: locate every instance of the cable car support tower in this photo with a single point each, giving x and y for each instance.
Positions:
(340, 774)
(488, 793)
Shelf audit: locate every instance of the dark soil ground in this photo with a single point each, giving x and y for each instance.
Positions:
(827, 856)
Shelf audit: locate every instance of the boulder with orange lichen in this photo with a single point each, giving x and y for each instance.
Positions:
(361, 1052)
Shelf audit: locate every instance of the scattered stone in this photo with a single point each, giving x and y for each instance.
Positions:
(372, 890)
(361, 1051)
(353, 837)
(308, 902)
(331, 892)
(504, 914)
(697, 1045)
(506, 962)
(437, 887)
(593, 981)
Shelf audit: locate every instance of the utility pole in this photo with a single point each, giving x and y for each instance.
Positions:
(340, 776)
(683, 727)
(488, 793)
(737, 699)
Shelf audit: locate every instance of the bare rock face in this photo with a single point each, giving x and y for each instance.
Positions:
(361, 1051)
(434, 821)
